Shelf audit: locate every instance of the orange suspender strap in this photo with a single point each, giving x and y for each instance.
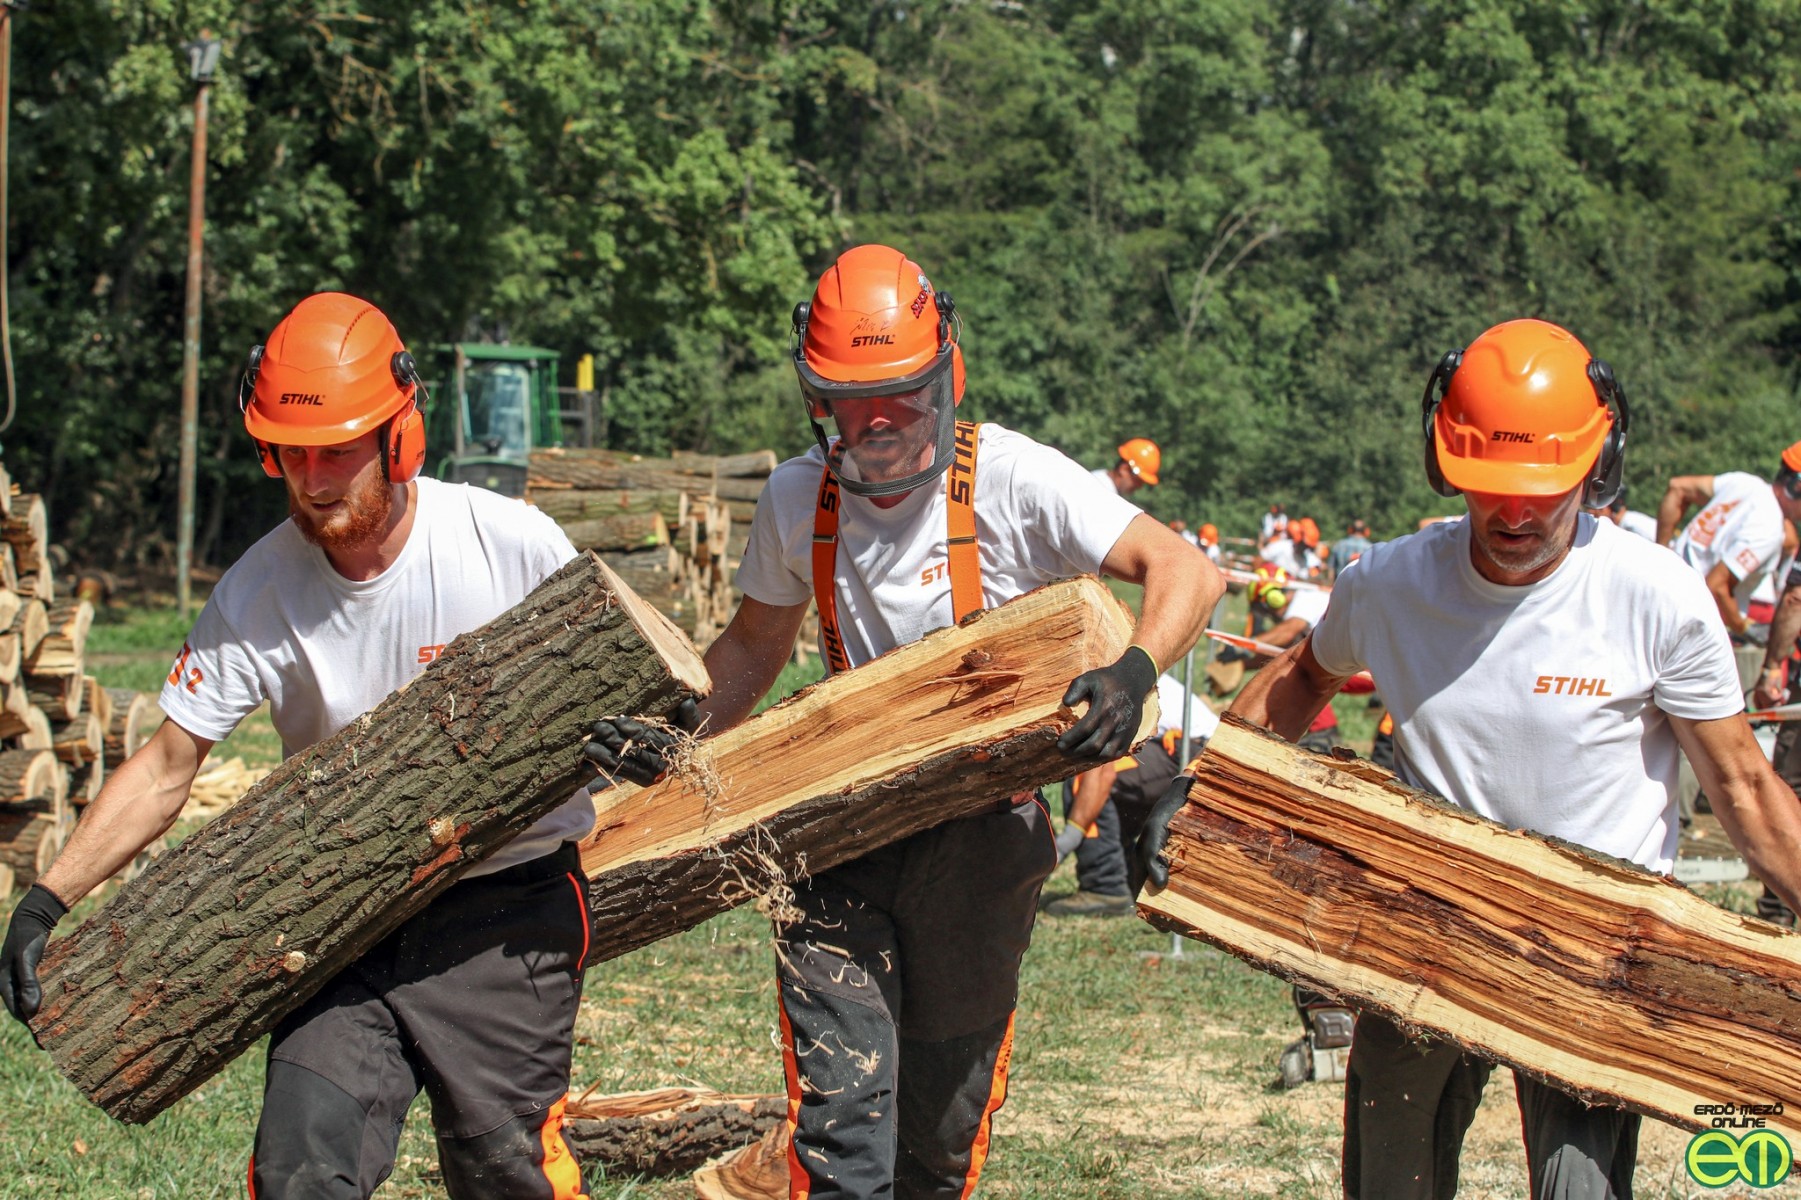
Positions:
(961, 547)
(825, 565)
(960, 500)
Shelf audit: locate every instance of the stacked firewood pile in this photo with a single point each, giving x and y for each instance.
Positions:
(672, 528)
(58, 727)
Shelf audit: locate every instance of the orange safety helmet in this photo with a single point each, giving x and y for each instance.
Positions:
(1525, 411)
(1294, 531)
(875, 329)
(1209, 534)
(1309, 533)
(1269, 587)
(331, 371)
(1788, 472)
(1142, 458)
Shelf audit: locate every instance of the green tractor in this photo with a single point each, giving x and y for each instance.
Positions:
(494, 405)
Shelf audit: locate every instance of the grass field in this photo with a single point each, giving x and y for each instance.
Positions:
(1139, 1075)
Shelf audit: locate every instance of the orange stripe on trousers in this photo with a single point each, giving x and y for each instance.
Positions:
(800, 1184)
(997, 1096)
(560, 1167)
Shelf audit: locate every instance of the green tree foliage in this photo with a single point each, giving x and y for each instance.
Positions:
(1246, 230)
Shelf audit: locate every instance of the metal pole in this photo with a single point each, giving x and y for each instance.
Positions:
(190, 342)
(6, 87)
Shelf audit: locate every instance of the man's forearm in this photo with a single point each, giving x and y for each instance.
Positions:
(1763, 820)
(1285, 696)
(1785, 627)
(137, 804)
(1669, 513)
(1092, 789)
(1177, 604)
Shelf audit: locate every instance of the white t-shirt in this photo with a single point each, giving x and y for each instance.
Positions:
(1039, 517)
(1541, 707)
(1741, 527)
(1273, 522)
(1309, 604)
(1202, 720)
(1106, 478)
(1642, 524)
(1283, 553)
(284, 627)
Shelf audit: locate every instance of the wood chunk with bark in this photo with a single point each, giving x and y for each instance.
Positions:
(26, 527)
(564, 505)
(133, 716)
(31, 623)
(668, 1131)
(1610, 982)
(621, 531)
(946, 727)
(755, 1172)
(64, 645)
(242, 921)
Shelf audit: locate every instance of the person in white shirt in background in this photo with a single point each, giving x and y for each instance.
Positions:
(1137, 466)
(1523, 638)
(1735, 539)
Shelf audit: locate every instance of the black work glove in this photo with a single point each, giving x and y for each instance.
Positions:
(1231, 654)
(628, 749)
(1156, 830)
(32, 922)
(1115, 696)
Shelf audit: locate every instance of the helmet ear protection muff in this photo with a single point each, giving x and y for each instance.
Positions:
(402, 435)
(1604, 481)
(818, 407)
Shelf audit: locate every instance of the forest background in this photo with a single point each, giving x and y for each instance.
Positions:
(1244, 228)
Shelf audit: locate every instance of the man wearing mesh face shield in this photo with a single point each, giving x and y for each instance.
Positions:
(898, 985)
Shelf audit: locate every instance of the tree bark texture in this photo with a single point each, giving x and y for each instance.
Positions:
(621, 531)
(31, 623)
(125, 732)
(1615, 984)
(564, 505)
(601, 470)
(26, 528)
(670, 1131)
(64, 645)
(235, 927)
(757, 464)
(945, 727)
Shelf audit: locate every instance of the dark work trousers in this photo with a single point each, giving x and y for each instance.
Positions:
(1408, 1104)
(1786, 755)
(897, 991)
(473, 1000)
(1107, 863)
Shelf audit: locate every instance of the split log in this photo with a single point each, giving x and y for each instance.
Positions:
(7, 879)
(757, 1172)
(669, 1131)
(10, 603)
(653, 574)
(40, 583)
(564, 505)
(9, 573)
(26, 528)
(27, 775)
(60, 696)
(79, 740)
(85, 781)
(1610, 982)
(221, 785)
(10, 658)
(620, 532)
(942, 728)
(133, 714)
(239, 924)
(30, 839)
(23, 723)
(31, 623)
(97, 700)
(64, 644)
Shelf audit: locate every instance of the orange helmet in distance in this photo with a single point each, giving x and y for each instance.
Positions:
(877, 342)
(1209, 534)
(1525, 410)
(1270, 587)
(333, 370)
(1788, 472)
(1309, 532)
(1142, 458)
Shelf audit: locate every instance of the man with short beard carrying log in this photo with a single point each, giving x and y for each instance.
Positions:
(474, 998)
(1542, 668)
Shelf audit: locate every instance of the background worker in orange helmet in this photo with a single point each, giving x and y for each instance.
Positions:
(1137, 466)
(375, 570)
(1209, 541)
(1510, 644)
(1735, 540)
(898, 980)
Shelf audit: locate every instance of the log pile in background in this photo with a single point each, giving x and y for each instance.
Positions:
(1617, 985)
(611, 502)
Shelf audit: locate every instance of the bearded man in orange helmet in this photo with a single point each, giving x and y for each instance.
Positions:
(898, 982)
(1511, 644)
(473, 999)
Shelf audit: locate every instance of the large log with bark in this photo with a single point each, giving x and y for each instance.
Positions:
(668, 1131)
(621, 531)
(1610, 982)
(598, 469)
(235, 927)
(942, 728)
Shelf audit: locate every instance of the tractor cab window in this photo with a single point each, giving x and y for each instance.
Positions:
(496, 409)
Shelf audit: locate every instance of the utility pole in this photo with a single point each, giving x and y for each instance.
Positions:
(203, 59)
(6, 88)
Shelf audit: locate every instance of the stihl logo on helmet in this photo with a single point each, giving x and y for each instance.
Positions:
(314, 398)
(1508, 435)
(873, 339)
